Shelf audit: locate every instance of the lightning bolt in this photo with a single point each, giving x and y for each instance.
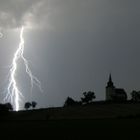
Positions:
(14, 95)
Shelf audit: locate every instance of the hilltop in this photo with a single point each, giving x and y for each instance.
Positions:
(95, 110)
(96, 120)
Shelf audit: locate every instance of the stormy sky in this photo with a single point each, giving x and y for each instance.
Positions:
(72, 46)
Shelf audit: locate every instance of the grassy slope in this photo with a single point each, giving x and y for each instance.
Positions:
(91, 121)
(92, 111)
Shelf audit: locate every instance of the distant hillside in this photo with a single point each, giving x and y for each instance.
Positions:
(95, 110)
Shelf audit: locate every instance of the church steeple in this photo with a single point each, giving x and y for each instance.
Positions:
(110, 83)
(110, 78)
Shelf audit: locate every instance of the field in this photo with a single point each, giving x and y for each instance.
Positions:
(96, 121)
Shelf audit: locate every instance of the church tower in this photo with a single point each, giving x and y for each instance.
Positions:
(110, 89)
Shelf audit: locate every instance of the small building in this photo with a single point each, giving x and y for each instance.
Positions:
(113, 93)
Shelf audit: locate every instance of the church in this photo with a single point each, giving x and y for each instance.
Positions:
(113, 93)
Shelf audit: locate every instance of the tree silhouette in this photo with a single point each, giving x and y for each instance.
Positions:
(88, 97)
(71, 102)
(135, 96)
(27, 105)
(34, 104)
(6, 107)
(9, 106)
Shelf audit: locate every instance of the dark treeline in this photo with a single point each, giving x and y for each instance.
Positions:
(88, 98)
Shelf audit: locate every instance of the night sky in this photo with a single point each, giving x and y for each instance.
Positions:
(72, 46)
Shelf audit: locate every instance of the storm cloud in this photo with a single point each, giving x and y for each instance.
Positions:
(73, 46)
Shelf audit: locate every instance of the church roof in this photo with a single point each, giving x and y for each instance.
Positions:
(120, 91)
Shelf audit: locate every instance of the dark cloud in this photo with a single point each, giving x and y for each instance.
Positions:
(79, 44)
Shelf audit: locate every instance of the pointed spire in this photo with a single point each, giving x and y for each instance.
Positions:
(110, 78)
(110, 83)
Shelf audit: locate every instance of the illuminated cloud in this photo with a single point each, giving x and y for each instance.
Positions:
(17, 13)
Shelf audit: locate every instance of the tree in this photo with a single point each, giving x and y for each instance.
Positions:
(27, 105)
(6, 107)
(9, 106)
(71, 102)
(88, 97)
(34, 104)
(135, 96)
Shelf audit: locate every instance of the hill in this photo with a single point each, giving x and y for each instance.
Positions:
(93, 121)
(95, 110)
